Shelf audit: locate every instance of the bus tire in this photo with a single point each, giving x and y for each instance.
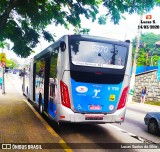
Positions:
(40, 104)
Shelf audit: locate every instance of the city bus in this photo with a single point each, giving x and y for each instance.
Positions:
(81, 79)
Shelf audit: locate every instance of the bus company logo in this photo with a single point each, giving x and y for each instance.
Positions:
(81, 89)
(96, 93)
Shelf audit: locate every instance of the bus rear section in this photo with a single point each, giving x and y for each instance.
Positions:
(94, 85)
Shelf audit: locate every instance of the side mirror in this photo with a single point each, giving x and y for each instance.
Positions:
(63, 46)
(158, 44)
(128, 41)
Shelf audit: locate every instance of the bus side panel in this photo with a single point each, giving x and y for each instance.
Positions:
(129, 62)
(23, 83)
(126, 83)
(62, 66)
(31, 84)
(26, 81)
(57, 67)
(53, 83)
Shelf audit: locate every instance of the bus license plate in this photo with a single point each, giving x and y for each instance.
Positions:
(93, 117)
(92, 107)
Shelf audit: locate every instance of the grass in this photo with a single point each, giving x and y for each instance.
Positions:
(156, 103)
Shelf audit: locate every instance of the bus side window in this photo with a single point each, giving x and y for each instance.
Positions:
(40, 67)
(53, 74)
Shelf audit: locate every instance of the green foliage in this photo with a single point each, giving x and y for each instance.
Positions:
(116, 7)
(147, 46)
(141, 57)
(38, 66)
(23, 22)
(156, 103)
(82, 31)
(102, 20)
(3, 44)
(11, 64)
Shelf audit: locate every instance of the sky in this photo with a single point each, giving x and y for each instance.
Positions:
(126, 29)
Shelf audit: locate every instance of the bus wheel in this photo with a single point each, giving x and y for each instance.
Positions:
(40, 104)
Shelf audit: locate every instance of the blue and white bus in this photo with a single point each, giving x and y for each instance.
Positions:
(81, 79)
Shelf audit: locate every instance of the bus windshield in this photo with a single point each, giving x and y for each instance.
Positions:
(98, 54)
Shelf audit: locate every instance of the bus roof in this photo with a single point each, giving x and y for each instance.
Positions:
(98, 38)
(47, 50)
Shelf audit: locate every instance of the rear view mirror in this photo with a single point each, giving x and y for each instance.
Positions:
(63, 46)
(158, 44)
(128, 41)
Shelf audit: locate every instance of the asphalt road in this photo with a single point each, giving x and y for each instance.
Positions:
(134, 121)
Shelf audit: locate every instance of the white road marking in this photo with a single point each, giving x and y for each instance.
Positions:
(133, 135)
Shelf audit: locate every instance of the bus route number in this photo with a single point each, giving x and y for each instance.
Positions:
(113, 88)
(100, 48)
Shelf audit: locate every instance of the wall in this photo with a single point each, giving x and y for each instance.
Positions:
(148, 80)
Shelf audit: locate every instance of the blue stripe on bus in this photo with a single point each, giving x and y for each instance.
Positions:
(52, 108)
(90, 97)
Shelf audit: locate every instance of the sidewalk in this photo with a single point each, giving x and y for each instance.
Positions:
(154, 107)
(19, 123)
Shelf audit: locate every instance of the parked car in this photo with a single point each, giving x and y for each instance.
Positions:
(152, 120)
(15, 71)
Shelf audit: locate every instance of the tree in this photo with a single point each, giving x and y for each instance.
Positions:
(82, 31)
(148, 53)
(23, 22)
(3, 44)
(11, 64)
